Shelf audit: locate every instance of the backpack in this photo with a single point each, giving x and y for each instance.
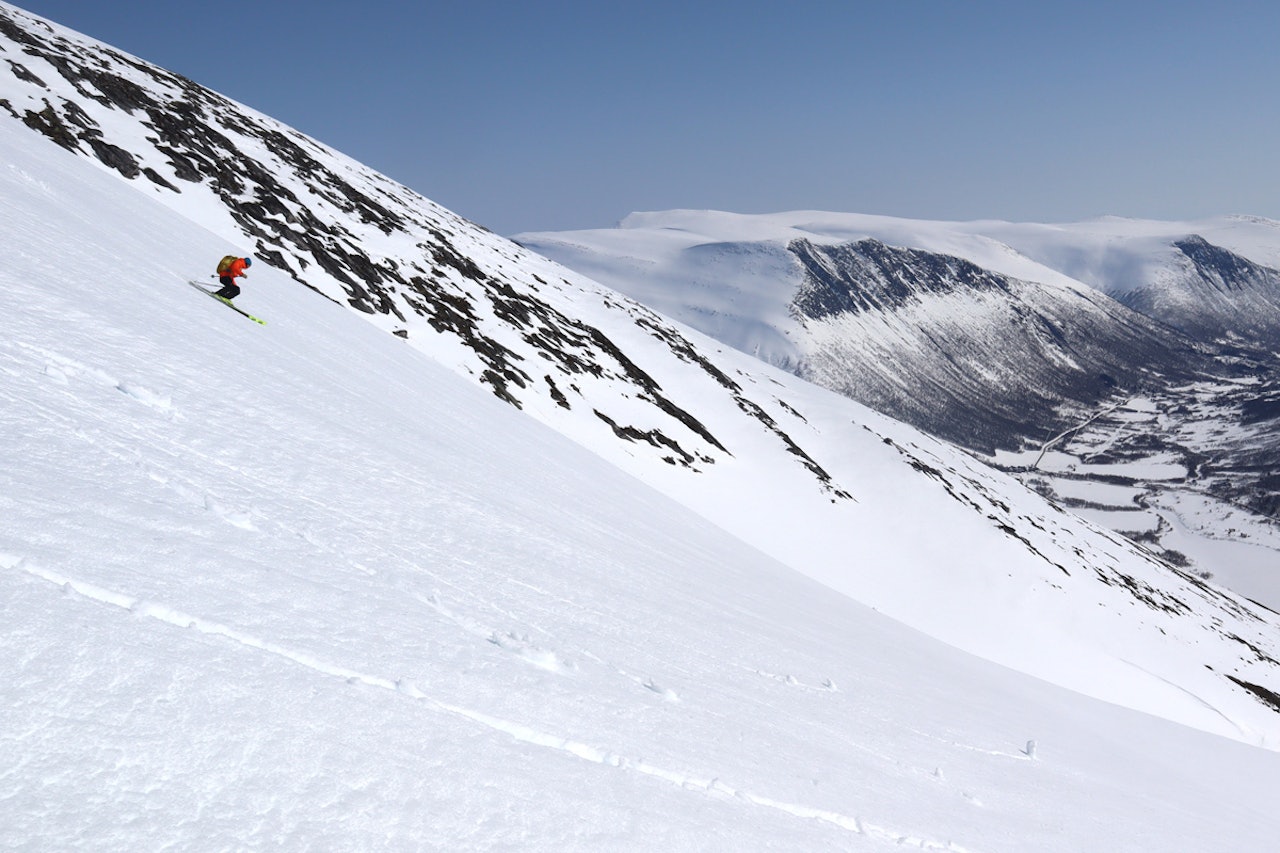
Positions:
(225, 264)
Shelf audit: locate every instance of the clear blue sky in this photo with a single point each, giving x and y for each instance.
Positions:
(553, 115)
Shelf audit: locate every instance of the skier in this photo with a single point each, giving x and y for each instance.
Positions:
(229, 269)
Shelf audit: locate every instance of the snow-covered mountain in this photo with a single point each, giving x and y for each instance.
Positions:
(971, 355)
(1012, 319)
(1009, 339)
(1212, 293)
(540, 569)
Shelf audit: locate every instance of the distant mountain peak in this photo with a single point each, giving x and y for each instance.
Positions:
(1213, 293)
(1215, 264)
(869, 275)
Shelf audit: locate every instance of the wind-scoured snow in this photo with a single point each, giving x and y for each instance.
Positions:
(311, 585)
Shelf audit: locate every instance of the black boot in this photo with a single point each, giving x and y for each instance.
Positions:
(229, 289)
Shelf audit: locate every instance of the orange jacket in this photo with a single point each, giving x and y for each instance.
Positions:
(236, 270)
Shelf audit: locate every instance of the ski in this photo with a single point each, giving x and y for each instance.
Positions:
(227, 302)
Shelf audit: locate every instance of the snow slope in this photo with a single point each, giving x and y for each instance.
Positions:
(299, 586)
(313, 585)
(856, 501)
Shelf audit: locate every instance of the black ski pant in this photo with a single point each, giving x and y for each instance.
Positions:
(229, 289)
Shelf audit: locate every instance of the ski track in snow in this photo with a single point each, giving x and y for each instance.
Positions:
(62, 370)
(524, 734)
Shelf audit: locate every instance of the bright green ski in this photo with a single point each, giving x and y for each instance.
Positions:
(227, 302)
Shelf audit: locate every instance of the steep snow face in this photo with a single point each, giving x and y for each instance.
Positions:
(861, 503)
(507, 317)
(302, 587)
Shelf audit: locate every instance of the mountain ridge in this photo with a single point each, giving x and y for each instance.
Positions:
(1045, 398)
(995, 361)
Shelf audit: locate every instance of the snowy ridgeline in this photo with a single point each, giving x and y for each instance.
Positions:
(305, 585)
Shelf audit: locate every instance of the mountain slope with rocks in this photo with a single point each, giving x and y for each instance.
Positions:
(1017, 341)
